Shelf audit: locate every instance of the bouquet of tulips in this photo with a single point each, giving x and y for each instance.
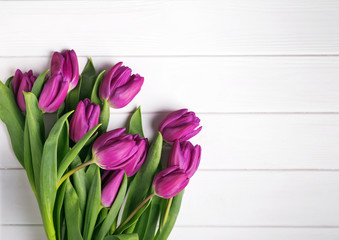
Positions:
(80, 173)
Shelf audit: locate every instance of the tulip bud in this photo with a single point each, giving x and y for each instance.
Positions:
(22, 82)
(119, 87)
(118, 150)
(85, 117)
(179, 125)
(53, 93)
(66, 64)
(110, 184)
(185, 156)
(169, 182)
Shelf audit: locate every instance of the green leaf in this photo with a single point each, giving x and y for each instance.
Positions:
(134, 219)
(142, 181)
(48, 176)
(104, 116)
(67, 160)
(101, 217)
(79, 182)
(72, 212)
(113, 212)
(88, 80)
(172, 217)
(95, 92)
(90, 173)
(12, 116)
(132, 236)
(58, 215)
(147, 223)
(93, 206)
(73, 96)
(39, 82)
(36, 132)
(28, 160)
(9, 83)
(63, 143)
(135, 123)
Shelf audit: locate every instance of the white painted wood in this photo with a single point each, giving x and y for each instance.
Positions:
(148, 27)
(199, 233)
(220, 84)
(245, 141)
(219, 198)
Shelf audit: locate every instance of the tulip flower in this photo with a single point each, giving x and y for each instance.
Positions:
(119, 87)
(111, 181)
(135, 163)
(66, 64)
(118, 150)
(22, 82)
(85, 117)
(53, 93)
(169, 182)
(179, 125)
(185, 156)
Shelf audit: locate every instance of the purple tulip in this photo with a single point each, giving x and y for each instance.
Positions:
(118, 150)
(85, 117)
(185, 156)
(179, 125)
(110, 184)
(53, 93)
(22, 82)
(66, 64)
(119, 87)
(169, 182)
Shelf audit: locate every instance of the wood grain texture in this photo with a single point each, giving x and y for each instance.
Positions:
(148, 27)
(199, 233)
(237, 198)
(246, 141)
(220, 84)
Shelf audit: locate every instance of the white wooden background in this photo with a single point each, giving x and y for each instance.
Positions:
(262, 75)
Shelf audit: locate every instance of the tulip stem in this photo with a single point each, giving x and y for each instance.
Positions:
(169, 204)
(68, 174)
(134, 212)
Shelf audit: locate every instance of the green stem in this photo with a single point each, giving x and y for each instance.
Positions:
(67, 175)
(166, 212)
(134, 212)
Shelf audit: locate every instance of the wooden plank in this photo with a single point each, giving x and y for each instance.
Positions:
(199, 233)
(221, 84)
(170, 27)
(245, 141)
(219, 198)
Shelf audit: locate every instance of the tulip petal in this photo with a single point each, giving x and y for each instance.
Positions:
(171, 117)
(105, 90)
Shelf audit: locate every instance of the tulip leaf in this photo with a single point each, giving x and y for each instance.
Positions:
(28, 160)
(63, 143)
(73, 96)
(147, 223)
(113, 212)
(72, 212)
(88, 80)
(135, 124)
(9, 83)
(142, 181)
(134, 219)
(48, 176)
(36, 132)
(104, 115)
(91, 171)
(58, 214)
(132, 236)
(92, 206)
(39, 82)
(12, 116)
(79, 182)
(95, 92)
(165, 231)
(67, 160)
(101, 218)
